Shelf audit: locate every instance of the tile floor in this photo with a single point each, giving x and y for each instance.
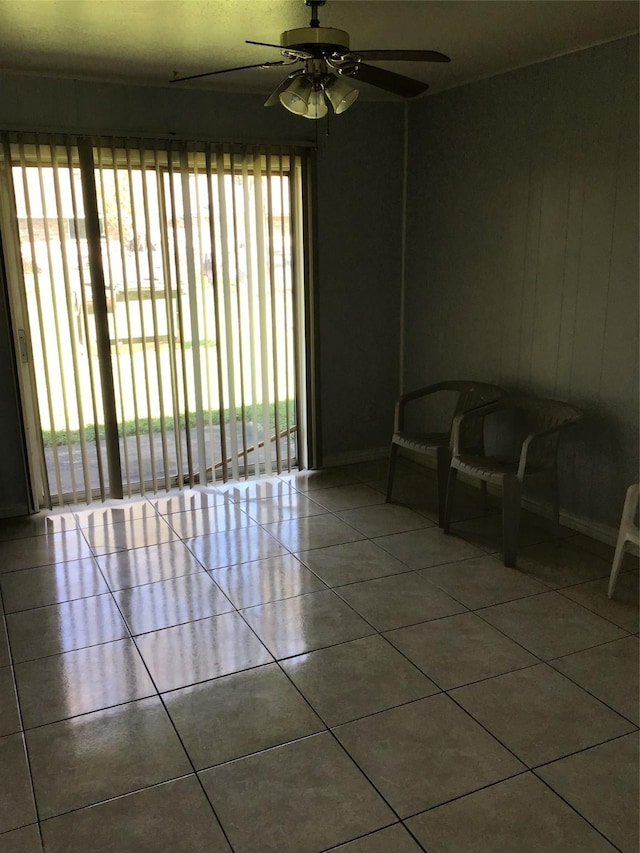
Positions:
(293, 665)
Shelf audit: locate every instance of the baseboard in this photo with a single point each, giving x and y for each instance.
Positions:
(588, 526)
(350, 457)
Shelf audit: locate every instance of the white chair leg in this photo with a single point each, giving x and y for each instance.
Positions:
(617, 563)
(628, 533)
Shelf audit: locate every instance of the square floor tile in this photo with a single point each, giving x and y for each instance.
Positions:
(355, 679)
(309, 481)
(187, 500)
(239, 714)
(549, 625)
(198, 651)
(171, 602)
(411, 485)
(124, 569)
(393, 839)
(51, 584)
(174, 816)
(242, 491)
(459, 649)
(62, 627)
(561, 565)
(486, 532)
(16, 803)
(40, 523)
(398, 600)
(127, 535)
(351, 562)
(91, 758)
(430, 547)
(116, 512)
(622, 609)
(384, 519)
(539, 714)
(372, 469)
(425, 753)
(81, 681)
(229, 548)
(317, 531)
(609, 672)
(520, 814)
(601, 549)
(9, 717)
(602, 785)
(299, 798)
(211, 519)
(24, 840)
(43, 550)
(296, 625)
(347, 497)
(482, 581)
(282, 508)
(248, 584)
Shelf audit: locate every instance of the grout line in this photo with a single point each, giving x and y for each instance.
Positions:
(278, 662)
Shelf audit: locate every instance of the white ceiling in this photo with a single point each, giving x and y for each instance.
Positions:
(146, 41)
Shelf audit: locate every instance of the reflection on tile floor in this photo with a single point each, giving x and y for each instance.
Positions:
(292, 665)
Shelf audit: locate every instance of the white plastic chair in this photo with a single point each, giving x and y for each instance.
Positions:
(628, 533)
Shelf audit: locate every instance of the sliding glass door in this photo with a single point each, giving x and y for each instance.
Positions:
(163, 301)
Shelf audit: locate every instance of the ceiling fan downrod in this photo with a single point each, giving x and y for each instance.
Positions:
(315, 5)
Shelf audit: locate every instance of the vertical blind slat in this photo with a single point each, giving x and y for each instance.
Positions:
(199, 252)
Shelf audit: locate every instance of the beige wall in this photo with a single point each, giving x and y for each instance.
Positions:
(522, 257)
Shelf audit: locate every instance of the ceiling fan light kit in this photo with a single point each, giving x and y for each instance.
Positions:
(328, 60)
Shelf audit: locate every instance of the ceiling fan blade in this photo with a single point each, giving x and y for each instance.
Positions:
(263, 44)
(407, 87)
(227, 70)
(303, 54)
(401, 55)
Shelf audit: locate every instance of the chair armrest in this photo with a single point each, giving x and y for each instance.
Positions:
(529, 440)
(478, 412)
(398, 421)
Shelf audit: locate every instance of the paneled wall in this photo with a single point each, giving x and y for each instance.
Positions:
(522, 257)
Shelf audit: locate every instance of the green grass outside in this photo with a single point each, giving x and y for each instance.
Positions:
(146, 425)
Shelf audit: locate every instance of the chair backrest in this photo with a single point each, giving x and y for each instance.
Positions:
(538, 415)
(473, 395)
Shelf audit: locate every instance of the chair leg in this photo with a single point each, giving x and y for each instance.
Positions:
(485, 496)
(393, 455)
(443, 458)
(556, 510)
(448, 504)
(617, 563)
(511, 494)
(628, 532)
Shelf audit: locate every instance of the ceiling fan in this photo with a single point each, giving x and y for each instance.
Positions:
(328, 62)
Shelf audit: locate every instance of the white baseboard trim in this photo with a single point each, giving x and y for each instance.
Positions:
(588, 526)
(350, 457)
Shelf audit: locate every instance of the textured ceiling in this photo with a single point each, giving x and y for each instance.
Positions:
(146, 41)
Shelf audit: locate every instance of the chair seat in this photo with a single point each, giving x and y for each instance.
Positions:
(485, 467)
(420, 442)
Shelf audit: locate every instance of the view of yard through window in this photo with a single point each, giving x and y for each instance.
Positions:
(199, 279)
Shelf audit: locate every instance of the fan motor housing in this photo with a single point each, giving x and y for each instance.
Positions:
(315, 39)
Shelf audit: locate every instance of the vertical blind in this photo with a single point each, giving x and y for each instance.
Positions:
(162, 285)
